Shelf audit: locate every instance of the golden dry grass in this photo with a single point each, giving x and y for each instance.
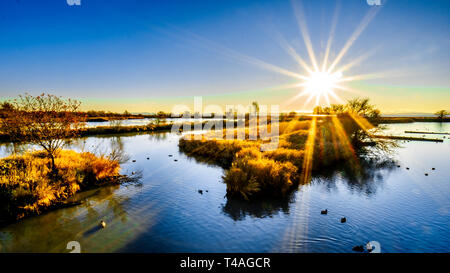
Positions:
(250, 171)
(28, 186)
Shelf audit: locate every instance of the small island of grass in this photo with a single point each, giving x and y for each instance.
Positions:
(304, 147)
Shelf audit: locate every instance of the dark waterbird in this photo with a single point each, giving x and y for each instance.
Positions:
(426, 174)
(148, 158)
(175, 160)
(170, 155)
(133, 160)
(407, 168)
(433, 169)
(324, 211)
(200, 191)
(358, 248)
(343, 220)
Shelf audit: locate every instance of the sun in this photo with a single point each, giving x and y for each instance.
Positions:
(322, 83)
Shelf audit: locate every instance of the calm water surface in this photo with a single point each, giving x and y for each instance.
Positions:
(404, 210)
(144, 121)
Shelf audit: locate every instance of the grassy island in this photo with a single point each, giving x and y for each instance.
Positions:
(304, 147)
(28, 185)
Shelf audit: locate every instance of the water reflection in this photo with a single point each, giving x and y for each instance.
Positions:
(365, 179)
(64, 225)
(238, 209)
(14, 148)
(157, 136)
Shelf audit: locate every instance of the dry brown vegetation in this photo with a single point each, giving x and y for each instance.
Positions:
(252, 172)
(36, 181)
(29, 186)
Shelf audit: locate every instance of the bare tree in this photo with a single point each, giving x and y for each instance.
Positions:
(45, 120)
(441, 114)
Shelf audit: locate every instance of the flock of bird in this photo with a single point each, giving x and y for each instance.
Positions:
(426, 174)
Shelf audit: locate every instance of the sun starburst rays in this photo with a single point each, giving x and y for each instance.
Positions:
(322, 83)
(298, 10)
(308, 66)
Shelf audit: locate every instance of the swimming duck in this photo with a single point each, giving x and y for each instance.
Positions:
(200, 191)
(343, 220)
(324, 211)
(358, 248)
(426, 174)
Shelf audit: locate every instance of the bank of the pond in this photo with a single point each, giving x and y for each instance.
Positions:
(112, 130)
(29, 186)
(410, 138)
(393, 120)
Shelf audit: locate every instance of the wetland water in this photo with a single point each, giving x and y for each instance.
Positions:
(404, 210)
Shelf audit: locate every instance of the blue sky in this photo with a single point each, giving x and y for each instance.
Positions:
(145, 55)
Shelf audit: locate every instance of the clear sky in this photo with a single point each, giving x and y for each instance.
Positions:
(144, 56)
